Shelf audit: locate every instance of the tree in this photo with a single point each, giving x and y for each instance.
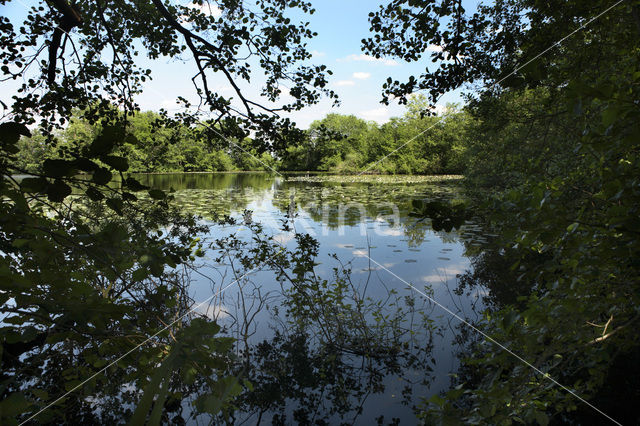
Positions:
(86, 272)
(559, 132)
(409, 144)
(335, 137)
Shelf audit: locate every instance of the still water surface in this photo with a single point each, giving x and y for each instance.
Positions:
(379, 352)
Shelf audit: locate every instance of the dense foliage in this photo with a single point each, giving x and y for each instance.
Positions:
(337, 143)
(150, 145)
(413, 143)
(556, 140)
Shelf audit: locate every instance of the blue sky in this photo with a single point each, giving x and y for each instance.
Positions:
(340, 24)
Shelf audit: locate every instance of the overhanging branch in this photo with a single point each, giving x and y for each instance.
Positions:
(70, 18)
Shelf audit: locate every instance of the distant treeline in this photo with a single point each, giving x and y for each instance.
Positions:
(411, 144)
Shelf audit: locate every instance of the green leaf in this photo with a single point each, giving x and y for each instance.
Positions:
(58, 191)
(102, 176)
(18, 198)
(106, 140)
(131, 139)
(152, 389)
(158, 406)
(509, 319)
(94, 194)
(134, 184)
(115, 204)
(541, 418)
(118, 163)
(85, 164)
(223, 390)
(32, 184)
(610, 115)
(14, 405)
(139, 274)
(10, 132)
(127, 196)
(58, 168)
(157, 194)
(71, 385)
(20, 242)
(437, 400)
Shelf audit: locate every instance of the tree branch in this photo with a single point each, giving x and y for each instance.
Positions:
(198, 53)
(70, 19)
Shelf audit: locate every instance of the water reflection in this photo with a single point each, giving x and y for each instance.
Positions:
(381, 207)
(330, 337)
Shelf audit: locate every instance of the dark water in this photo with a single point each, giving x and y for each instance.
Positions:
(386, 344)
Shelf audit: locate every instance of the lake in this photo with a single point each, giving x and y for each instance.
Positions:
(369, 337)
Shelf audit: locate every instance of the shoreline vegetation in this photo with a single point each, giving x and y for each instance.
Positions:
(338, 144)
(371, 178)
(317, 176)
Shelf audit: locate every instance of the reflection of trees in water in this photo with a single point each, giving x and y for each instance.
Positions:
(330, 346)
(496, 268)
(351, 204)
(492, 271)
(113, 397)
(494, 278)
(213, 194)
(213, 181)
(385, 207)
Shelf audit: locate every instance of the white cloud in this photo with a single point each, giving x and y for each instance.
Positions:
(368, 58)
(317, 54)
(440, 109)
(345, 83)
(283, 238)
(445, 274)
(437, 278)
(208, 8)
(380, 115)
(361, 75)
